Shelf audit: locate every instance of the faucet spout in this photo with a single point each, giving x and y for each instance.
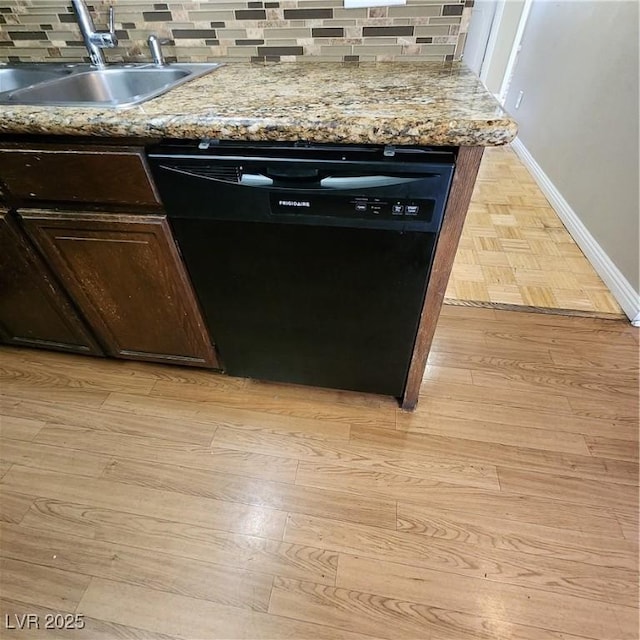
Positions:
(155, 48)
(95, 40)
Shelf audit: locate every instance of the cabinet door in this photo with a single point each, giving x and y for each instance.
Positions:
(125, 275)
(82, 174)
(33, 310)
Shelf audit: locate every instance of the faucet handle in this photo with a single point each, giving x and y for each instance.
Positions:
(107, 39)
(112, 20)
(155, 49)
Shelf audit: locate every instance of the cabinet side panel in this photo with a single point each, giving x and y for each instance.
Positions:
(464, 179)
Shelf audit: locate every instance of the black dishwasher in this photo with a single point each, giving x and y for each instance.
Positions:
(310, 261)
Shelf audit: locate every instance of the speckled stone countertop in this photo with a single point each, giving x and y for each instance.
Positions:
(383, 103)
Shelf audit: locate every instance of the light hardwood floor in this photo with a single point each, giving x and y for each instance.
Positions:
(515, 251)
(163, 502)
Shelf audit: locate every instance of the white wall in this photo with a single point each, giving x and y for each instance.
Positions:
(578, 68)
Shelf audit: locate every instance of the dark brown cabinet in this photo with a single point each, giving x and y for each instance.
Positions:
(34, 311)
(124, 274)
(84, 174)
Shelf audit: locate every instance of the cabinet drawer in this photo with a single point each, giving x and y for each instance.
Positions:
(86, 174)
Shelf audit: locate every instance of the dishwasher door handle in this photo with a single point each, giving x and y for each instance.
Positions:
(334, 183)
(296, 181)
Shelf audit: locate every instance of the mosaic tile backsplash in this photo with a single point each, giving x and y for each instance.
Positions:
(284, 30)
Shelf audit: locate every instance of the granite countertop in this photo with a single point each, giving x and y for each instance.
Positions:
(384, 103)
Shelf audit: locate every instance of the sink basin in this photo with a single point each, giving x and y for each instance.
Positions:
(120, 87)
(12, 78)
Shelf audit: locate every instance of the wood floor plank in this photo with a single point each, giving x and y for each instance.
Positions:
(18, 428)
(589, 407)
(33, 584)
(152, 449)
(531, 607)
(612, 352)
(74, 397)
(612, 448)
(445, 373)
(168, 408)
(533, 509)
(629, 524)
(345, 399)
(58, 516)
(391, 618)
(219, 415)
(260, 493)
(594, 360)
(485, 453)
(330, 397)
(556, 487)
(358, 457)
(581, 336)
(6, 402)
(492, 532)
(184, 375)
(13, 506)
(457, 350)
(383, 485)
(507, 567)
(66, 372)
(190, 618)
(248, 553)
(106, 494)
(472, 429)
(112, 561)
(80, 364)
(4, 467)
(92, 628)
(508, 397)
(291, 402)
(490, 412)
(55, 458)
(179, 430)
(612, 378)
(536, 332)
(621, 391)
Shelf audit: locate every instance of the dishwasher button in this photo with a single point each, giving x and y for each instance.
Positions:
(413, 209)
(397, 209)
(361, 206)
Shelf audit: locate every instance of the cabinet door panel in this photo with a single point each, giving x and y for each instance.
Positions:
(125, 274)
(86, 174)
(33, 310)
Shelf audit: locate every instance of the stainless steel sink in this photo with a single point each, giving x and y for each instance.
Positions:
(12, 78)
(81, 85)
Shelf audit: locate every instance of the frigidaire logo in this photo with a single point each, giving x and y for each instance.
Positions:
(294, 203)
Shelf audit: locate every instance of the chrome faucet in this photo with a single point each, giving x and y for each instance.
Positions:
(155, 48)
(95, 40)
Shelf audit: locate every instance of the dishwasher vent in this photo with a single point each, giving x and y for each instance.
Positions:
(230, 173)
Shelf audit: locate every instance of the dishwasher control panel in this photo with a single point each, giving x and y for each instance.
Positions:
(352, 207)
(394, 208)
